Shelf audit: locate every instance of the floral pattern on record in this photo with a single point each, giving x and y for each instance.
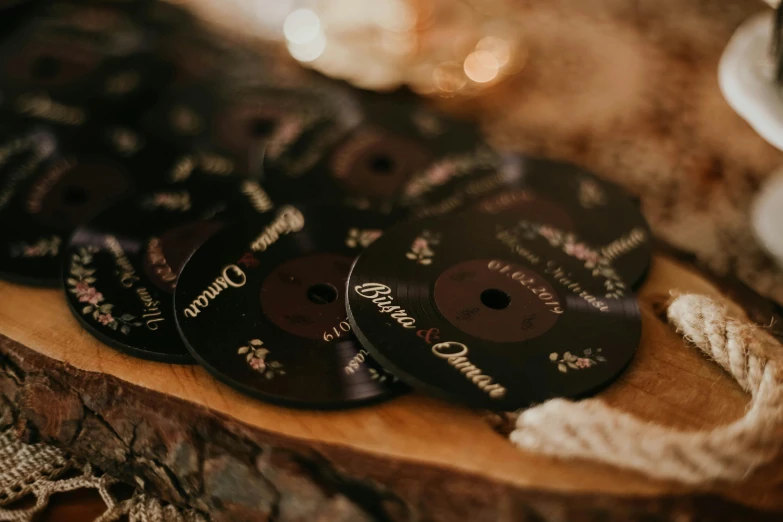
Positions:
(441, 172)
(44, 247)
(169, 200)
(421, 248)
(256, 356)
(569, 243)
(287, 131)
(362, 237)
(570, 362)
(80, 283)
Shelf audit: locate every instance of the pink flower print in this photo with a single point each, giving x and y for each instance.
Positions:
(81, 288)
(583, 363)
(105, 319)
(547, 232)
(370, 236)
(285, 133)
(441, 173)
(257, 364)
(420, 244)
(91, 296)
(580, 251)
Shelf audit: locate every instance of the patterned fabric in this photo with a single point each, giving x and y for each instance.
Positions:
(38, 469)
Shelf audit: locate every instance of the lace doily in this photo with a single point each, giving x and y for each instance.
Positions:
(41, 470)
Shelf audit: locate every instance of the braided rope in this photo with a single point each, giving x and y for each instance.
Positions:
(590, 429)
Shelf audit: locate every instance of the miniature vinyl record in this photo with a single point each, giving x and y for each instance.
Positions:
(63, 181)
(400, 149)
(66, 74)
(571, 199)
(46, 196)
(120, 269)
(262, 307)
(241, 122)
(490, 315)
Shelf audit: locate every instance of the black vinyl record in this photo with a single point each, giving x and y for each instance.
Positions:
(120, 269)
(400, 149)
(570, 199)
(240, 121)
(262, 307)
(62, 182)
(73, 64)
(490, 315)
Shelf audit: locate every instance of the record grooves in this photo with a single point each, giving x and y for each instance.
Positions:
(203, 201)
(490, 315)
(120, 274)
(262, 307)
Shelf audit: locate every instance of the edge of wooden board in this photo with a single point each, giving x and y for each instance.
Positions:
(196, 442)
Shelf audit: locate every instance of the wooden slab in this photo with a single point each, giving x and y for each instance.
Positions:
(628, 88)
(197, 442)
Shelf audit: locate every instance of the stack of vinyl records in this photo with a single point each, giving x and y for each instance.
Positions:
(307, 243)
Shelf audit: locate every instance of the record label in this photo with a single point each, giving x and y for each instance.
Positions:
(490, 315)
(514, 316)
(262, 307)
(120, 274)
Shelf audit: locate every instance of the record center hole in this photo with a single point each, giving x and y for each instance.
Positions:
(75, 195)
(261, 127)
(322, 293)
(495, 299)
(382, 164)
(46, 67)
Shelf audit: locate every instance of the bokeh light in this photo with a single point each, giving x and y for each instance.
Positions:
(481, 66)
(307, 52)
(449, 77)
(497, 47)
(302, 26)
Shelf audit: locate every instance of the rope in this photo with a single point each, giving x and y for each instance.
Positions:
(587, 429)
(590, 429)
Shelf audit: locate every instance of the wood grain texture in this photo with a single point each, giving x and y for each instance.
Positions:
(194, 441)
(627, 87)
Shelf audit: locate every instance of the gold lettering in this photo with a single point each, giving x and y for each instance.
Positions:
(624, 244)
(43, 107)
(561, 277)
(231, 275)
(288, 220)
(456, 355)
(258, 198)
(152, 315)
(236, 271)
(375, 292)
